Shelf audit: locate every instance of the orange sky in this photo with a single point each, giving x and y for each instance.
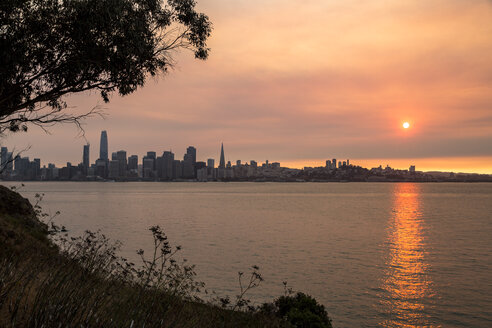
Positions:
(293, 81)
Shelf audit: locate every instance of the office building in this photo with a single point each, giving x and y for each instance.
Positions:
(222, 157)
(122, 163)
(133, 163)
(103, 146)
(191, 152)
(85, 158)
(168, 164)
(114, 169)
(3, 158)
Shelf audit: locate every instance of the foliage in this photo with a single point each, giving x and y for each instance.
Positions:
(88, 285)
(241, 302)
(51, 48)
(83, 282)
(300, 310)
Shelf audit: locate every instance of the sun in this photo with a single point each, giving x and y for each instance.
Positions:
(406, 125)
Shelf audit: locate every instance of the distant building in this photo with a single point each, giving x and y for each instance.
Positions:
(85, 158)
(101, 168)
(253, 164)
(3, 158)
(21, 167)
(200, 165)
(211, 171)
(151, 154)
(222, 157)
(178, 169)
(191, 152)
(103, 146)
(147, 167)
(35, 167)
(114, 169)
(133, 163)
(412, 168)
(133, 167)
(10, 162)
(122, 163)
(168, 165)
(188, 168)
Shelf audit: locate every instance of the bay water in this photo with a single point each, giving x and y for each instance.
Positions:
(375, 254)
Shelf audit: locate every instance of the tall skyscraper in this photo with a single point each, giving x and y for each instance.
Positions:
(10, 162)
(222, 157)
(3, 158)
(122, 163)
(133, 163)
(153, 156)
(189, 161)
(191, 152)
(103, 148)
(85, 158)
(168, 158)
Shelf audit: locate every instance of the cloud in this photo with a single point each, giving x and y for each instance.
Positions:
(293, 80)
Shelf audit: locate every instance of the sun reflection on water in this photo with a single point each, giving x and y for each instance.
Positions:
(406, 284)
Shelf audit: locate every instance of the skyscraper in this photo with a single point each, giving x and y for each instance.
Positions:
(133, 163)
(10, 162)
(191, 151)
(3, 158)
(222, 157)
(189, 162)
(168, 158)
(85, 158)
(122, 163)
(103, 148)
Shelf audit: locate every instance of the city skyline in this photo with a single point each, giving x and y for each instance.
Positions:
(104, 151)
(286, 96)
(189, 156)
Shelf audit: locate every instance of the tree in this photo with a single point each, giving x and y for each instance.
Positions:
(52, 48)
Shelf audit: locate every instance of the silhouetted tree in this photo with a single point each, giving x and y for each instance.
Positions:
(51, 48)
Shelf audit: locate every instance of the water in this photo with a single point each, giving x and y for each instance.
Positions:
(393, 255)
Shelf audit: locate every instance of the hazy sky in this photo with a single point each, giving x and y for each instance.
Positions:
(302, 81)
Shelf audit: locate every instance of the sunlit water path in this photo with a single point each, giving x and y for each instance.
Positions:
(392, 255)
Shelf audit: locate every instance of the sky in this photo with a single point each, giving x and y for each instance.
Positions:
(300, 82)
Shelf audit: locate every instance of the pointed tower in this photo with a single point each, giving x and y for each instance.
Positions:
(222, 157)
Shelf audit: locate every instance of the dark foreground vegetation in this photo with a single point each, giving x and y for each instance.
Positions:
(56, 281)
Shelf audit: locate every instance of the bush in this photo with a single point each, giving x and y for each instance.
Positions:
(300, 310)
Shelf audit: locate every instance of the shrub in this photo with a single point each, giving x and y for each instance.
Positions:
(300, 310)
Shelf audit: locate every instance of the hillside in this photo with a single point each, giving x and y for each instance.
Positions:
(40, 287)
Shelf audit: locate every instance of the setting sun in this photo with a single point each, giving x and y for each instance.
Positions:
(406, 125)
